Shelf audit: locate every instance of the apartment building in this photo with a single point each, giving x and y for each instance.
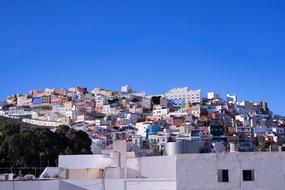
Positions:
(178, 97)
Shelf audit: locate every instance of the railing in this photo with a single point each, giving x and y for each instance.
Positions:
(17, 171)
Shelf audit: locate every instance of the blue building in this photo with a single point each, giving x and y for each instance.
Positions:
(37, 101)
(152, 130)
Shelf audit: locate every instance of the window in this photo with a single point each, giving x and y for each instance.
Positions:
(223, 175)
(248, 175)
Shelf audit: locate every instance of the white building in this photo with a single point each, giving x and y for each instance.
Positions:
(160, 139)
(231, 98)
(126, 89)
(42, 123)
(224, 171)
(108, 109)
(158, 111)
(19, 111)
(59, 109)
(23, 100)
(213, 95)
(231, 171)
(243, 119)
(101, 100)
(142, 127)
(179, 96)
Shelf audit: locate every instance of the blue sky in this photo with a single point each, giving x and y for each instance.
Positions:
(225, 46)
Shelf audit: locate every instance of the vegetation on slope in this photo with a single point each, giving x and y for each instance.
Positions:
(22, 145)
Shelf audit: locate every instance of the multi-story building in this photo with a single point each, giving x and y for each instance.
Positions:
(100, 101)
(23, 100)
(213, 95)
(37, 101)
(19, 111)
(59, 109)
(56, 100)
(159, 111)
(178, 97)
(46, 100)
(108, 109)
(104, 92)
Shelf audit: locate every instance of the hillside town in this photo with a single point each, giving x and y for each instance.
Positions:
(175, 122)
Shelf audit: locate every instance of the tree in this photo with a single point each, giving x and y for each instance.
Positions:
(264, 146)
(22, 145)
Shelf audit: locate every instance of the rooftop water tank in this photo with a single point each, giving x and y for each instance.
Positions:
(182, 147)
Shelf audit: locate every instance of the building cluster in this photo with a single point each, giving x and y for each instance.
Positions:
(146, 142)
(178, 121)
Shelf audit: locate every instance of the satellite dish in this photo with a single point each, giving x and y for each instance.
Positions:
(219, 147)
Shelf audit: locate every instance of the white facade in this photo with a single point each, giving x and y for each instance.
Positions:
(159, 111)
(244, 119)
(213, 95)
(179, 96)
(100, 100)
(108, 109)
(231, 98)
(23, 101)
(126, 89)
(142, 130)
(18, 111)
(161, 139)
(42, 123)
(59, 109)
(268, 171)
(83, 161)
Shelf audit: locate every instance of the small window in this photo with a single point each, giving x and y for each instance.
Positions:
(223, 175)
(248, 175)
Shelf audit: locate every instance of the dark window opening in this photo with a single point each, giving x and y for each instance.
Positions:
(248, 175)
(223, 175)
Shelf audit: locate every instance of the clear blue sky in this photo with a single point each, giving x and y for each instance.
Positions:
(226, 46)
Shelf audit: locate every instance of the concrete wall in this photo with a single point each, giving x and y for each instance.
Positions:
(30, 185)
(67, 186)
(119, 184)
(199, 171)
(81, 185)
(152, 167)
(150, 184)
(116, 184)
(83, 161)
